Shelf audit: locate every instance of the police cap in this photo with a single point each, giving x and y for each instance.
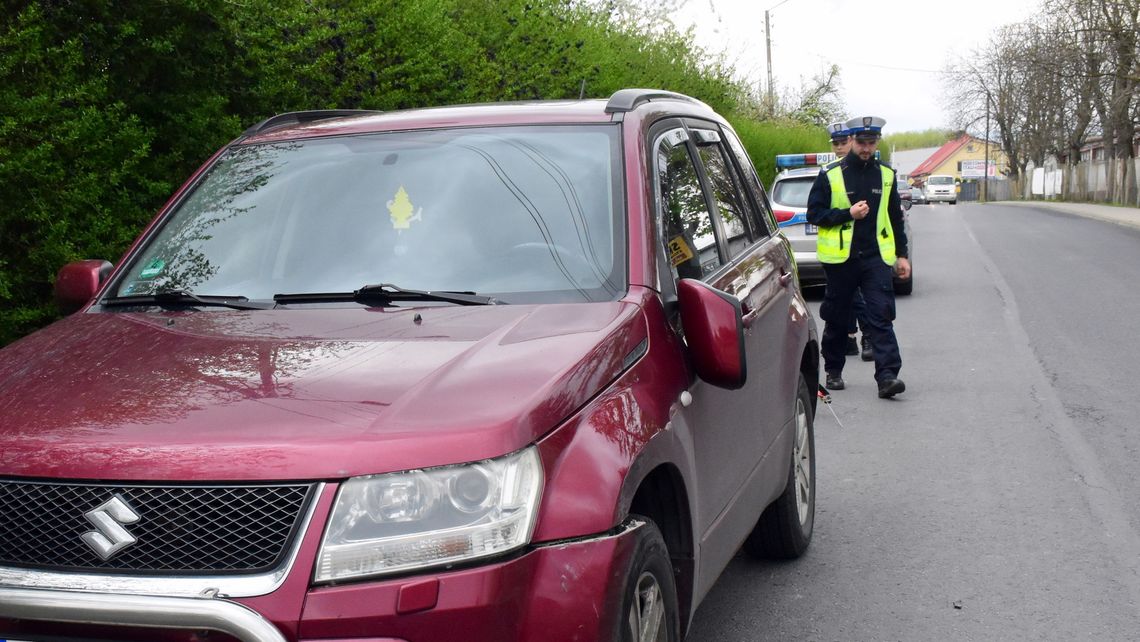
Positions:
(866, 127)
(838, 131)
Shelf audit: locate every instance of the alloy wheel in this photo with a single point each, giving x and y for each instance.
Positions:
(647, 611)
(801, 453)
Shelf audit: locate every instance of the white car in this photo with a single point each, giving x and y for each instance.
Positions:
(941, 188)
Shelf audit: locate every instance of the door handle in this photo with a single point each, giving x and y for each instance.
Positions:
(785, 278)
(748, 313)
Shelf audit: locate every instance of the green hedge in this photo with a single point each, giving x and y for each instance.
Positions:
(106, 107)
(764, 140)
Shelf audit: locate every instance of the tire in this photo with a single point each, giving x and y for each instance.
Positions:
(785, 528)
(648, 590)
(953, 202)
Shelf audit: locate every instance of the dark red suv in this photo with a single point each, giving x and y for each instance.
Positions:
(505, 372)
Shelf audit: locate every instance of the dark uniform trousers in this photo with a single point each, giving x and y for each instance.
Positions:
(862, 271)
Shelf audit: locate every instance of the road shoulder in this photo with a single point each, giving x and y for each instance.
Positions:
(1126, 216)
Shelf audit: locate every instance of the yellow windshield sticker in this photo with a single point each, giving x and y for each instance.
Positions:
(401, 210)
(679, 251)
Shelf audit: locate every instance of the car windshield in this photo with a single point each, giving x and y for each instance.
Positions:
(941, 180)
(527, 214)
(793, 192)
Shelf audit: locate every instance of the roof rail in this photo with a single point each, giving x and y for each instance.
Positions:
(302, 117)
(627, 99)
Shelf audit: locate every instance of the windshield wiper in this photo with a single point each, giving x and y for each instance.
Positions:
(185, 297)
(386, 292)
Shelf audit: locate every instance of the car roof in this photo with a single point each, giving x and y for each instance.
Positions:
(313, 124)
(546, 112)
(798, 172)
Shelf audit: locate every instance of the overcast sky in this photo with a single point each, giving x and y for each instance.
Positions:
(889, 51)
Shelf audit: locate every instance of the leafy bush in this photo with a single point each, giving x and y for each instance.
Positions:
(764, 140)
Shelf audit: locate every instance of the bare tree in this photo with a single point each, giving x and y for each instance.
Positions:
(1109, 65)
(990, 85)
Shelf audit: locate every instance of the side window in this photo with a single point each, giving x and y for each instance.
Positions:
(763, 217)
(686, 226)
(726, 192)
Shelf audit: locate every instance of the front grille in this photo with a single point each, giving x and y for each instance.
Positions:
(180, 529)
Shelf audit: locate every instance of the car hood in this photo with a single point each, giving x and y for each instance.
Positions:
(299, 394)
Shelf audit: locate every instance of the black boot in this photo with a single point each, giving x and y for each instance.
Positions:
(852, 346)
(834, 381)
(866, 355)
(890, 387)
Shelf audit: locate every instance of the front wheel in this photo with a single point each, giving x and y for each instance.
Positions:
(785, 528)
(649, 602)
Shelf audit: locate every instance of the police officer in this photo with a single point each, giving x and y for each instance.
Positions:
(855, 203)
(840, 146)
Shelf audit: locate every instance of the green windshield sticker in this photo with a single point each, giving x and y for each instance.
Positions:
(153, 269)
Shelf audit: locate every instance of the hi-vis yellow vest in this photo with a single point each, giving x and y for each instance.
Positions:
(833, 245)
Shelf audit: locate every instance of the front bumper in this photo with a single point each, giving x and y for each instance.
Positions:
(941, 198)
(134, 611)
(561, 591)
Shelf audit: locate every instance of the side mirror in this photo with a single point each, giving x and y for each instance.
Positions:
(714, 329)
(77, 282)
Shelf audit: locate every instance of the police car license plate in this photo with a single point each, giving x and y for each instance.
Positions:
(810, 229)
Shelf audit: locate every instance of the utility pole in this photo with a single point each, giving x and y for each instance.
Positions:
(768, 42)
(986, 170)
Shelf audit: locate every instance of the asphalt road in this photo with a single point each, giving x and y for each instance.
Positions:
(996, 499)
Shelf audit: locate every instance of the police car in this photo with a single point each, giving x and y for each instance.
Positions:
(789, 197)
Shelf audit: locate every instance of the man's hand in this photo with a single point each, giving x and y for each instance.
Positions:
(859, 210)
(902, 267)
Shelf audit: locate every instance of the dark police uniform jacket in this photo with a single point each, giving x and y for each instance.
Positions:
(864, 183)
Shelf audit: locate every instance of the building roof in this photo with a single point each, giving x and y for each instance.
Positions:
(905, 162)
(937, 158)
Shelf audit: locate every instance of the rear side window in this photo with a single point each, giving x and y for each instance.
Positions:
(726, 194)
(687, 227)
(793, 192)
(764, 221)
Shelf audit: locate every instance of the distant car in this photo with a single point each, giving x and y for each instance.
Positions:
(904, 194)
(916, 196)
(940, 188)
(789, 197)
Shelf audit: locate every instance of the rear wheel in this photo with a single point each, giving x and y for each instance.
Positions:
(785, 528)
(649, 602)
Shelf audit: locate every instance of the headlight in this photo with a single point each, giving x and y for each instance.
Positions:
(409, 520)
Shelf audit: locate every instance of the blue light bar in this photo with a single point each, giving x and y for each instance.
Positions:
(804, 160)
(808, 160)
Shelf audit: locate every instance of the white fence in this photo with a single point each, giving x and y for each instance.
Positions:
(1112, 181)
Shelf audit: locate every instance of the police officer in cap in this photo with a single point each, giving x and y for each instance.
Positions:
(855, 203)
(840, 146)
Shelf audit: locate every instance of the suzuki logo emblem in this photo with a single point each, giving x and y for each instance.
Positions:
(109, 536)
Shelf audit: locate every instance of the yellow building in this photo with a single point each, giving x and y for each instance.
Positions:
(964, 159)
